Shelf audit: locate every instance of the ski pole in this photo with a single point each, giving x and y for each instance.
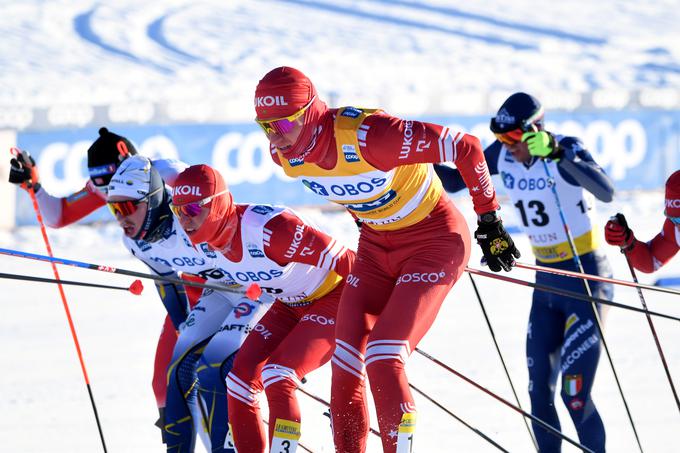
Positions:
(472, 428)
(504, 401)
(500, 355)
(375, 432)
(651, 327)
(253, 291)
(596, 315)
(135, 288)
(15, 152)
(596, 278)
(565, 292)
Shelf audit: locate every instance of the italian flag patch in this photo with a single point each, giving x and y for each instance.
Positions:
(573, 384)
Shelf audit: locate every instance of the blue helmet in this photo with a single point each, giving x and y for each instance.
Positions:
(519, 111)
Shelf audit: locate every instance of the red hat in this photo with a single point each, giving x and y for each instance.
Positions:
(197, 183)
(673, 195)
(282, 92)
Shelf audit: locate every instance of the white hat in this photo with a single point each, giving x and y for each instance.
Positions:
(132, 179)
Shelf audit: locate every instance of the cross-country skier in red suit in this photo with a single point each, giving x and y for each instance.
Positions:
(299, 265)
(650, 256)
(103, 158)
(413, 246)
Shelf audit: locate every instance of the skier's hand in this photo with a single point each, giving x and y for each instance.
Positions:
(616, 232)
(23, 171)
(497, 245)
(542, 144)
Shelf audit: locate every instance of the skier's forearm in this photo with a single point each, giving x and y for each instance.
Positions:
(50, 208)
(589, 176)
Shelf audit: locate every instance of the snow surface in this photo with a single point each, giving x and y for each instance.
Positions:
(402, 55)
(405, 56)
(45, 406)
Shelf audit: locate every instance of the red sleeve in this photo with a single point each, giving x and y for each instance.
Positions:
(387, 142)
(62, 211)
(650, 256)
(79, 205)
(292, 240)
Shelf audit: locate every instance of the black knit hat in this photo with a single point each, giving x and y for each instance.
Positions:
(105, 154)
(517, 112)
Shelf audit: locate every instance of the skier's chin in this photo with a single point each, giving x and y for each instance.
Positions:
(130, 231)
(285, 150)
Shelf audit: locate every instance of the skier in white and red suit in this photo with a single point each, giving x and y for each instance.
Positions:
(413, 246)
(650, 256)
(104, 157)
(291, 260)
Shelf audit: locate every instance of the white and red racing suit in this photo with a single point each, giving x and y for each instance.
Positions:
(304, 269)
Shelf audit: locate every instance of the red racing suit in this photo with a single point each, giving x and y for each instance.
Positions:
(294, 337)
(650, 256)
(413, 246)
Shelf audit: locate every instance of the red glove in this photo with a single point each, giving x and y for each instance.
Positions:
(616, 232)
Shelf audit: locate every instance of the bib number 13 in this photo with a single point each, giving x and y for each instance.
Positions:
(536, 212)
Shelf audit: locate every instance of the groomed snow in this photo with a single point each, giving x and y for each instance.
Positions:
(45, 406)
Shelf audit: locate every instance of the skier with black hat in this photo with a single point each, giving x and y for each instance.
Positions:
(104, 157)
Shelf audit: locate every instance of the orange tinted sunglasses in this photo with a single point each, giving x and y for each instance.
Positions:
(129, 207)
(510, 137)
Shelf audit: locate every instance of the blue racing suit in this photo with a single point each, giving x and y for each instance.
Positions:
(562, 336)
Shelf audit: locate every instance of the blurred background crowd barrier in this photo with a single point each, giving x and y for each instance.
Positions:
(639, 148)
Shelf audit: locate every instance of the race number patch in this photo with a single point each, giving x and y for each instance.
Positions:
(405, 435)
(286, 436)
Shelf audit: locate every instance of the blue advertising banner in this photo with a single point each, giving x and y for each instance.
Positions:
(638, 149)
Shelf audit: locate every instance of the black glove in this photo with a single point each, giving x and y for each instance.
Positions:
(23, 171)
(497, 245)
(160, 423)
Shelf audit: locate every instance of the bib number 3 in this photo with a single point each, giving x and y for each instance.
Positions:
(286, 436)
(283, 445)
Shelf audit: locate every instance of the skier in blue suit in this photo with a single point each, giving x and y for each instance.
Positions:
(562, 335)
